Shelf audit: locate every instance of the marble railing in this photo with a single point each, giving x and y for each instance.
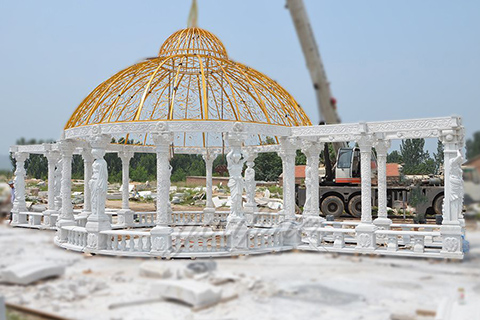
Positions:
(127, 240)
(144, 219)
(264, 238)
(200, 242)
(76, 236)
(267, 219)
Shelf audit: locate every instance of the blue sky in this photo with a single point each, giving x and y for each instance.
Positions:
(385, 59)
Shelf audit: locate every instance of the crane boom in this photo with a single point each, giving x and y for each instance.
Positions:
(326, 106)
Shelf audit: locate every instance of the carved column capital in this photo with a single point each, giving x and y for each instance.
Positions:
(126, 156)
(52, 157)
(21, 156)
(311, 148)
(99, 141)
(162, 140)
(209, 157)
(288, 146)
(365, 142)
(382, 146)
(87, 155)
(66, 147)
(449, 136)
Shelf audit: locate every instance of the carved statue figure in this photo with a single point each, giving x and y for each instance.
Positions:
(235, 183)
(456, 183)
(250, 184)
(98, 186)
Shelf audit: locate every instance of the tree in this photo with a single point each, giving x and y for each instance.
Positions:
(268, 166)
(415, 159)
(394, 157)
(473, 146)
(438, 157)
(300, 158)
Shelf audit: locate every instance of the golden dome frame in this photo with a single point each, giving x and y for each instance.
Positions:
(192, 79)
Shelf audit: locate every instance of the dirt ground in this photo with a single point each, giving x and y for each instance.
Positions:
(291, 285)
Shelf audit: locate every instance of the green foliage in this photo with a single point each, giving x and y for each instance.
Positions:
(416, 160)
(473, 146)
(438, 157)
(268, 167)
(178, 175)
(300, 158)
(139, 174)
(394, 157)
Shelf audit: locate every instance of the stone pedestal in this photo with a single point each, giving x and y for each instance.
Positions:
(366, 241)
(161, 241)
(125, 217)
(452, 242)
(249, 210)
(237, 227)
(291, 233)
(95, 224)
(312, 221)
(382, 223)
(208, 215)
(50, 218)
(62, 234)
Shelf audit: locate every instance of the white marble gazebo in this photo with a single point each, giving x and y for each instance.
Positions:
(192, 99)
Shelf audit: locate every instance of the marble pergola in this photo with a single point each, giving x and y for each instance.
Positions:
(192, 99)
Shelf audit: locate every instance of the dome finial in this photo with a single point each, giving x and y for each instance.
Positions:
(193, 15)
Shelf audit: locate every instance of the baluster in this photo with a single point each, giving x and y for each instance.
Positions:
(195, 243)
(148, 245)
(140, 243)
(419, 243)
(132, 243)
(109, 242)
(115, 242)
(222, 241)
(123, 243)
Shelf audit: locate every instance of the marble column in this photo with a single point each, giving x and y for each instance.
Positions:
(250, 206)
(87, 176)
(50, 215)
(209, 211)
(57, 185)
(382, 221)
(66, 217)
(312, 150)
(97, 220)
(160, 234)
(125, 215)
(19, 204)
(451, 229)
(288, 152)
(365, 231)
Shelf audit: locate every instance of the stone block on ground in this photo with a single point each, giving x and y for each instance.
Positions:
(27, 272)
(154, 269)
(201, 267)
(194, 293)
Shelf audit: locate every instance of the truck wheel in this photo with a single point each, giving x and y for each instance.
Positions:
(332, 205)
(355, 206)
(438, 204)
